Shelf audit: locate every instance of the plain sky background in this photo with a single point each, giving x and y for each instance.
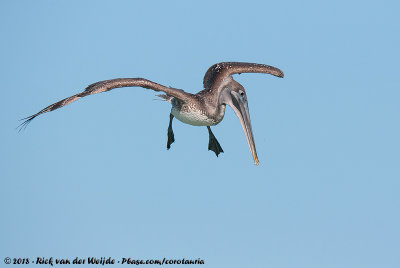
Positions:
(95, 179)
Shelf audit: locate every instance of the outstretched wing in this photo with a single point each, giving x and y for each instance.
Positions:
(218, 72)
(108, 85)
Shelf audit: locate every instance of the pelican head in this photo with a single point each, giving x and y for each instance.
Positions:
(206, 108)
(234, 95)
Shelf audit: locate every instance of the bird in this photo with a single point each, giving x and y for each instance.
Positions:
(205, 108)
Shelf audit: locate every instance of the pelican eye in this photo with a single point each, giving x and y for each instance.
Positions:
(241, 93)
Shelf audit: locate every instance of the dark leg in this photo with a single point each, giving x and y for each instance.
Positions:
(171, 138)
(213, 144)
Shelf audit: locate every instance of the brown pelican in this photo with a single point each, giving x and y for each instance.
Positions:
(206, 108)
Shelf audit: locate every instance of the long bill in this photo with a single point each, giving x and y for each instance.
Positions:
(241, 110)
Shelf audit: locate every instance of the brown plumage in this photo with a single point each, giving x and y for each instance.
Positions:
(219, 71)
(107, 85)
(206, 108)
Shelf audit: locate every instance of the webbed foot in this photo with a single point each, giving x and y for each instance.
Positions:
(171, 137)
(213, 144)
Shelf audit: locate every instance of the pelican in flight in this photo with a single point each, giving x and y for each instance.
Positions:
(206, 108)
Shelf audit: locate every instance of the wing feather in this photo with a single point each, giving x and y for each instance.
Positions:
(218, 72)
(107, 85)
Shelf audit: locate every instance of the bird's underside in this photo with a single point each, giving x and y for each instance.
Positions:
(206, 108)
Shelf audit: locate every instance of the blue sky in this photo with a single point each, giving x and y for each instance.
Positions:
(95, 178)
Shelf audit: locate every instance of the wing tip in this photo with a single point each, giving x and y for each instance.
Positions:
(26, 122)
